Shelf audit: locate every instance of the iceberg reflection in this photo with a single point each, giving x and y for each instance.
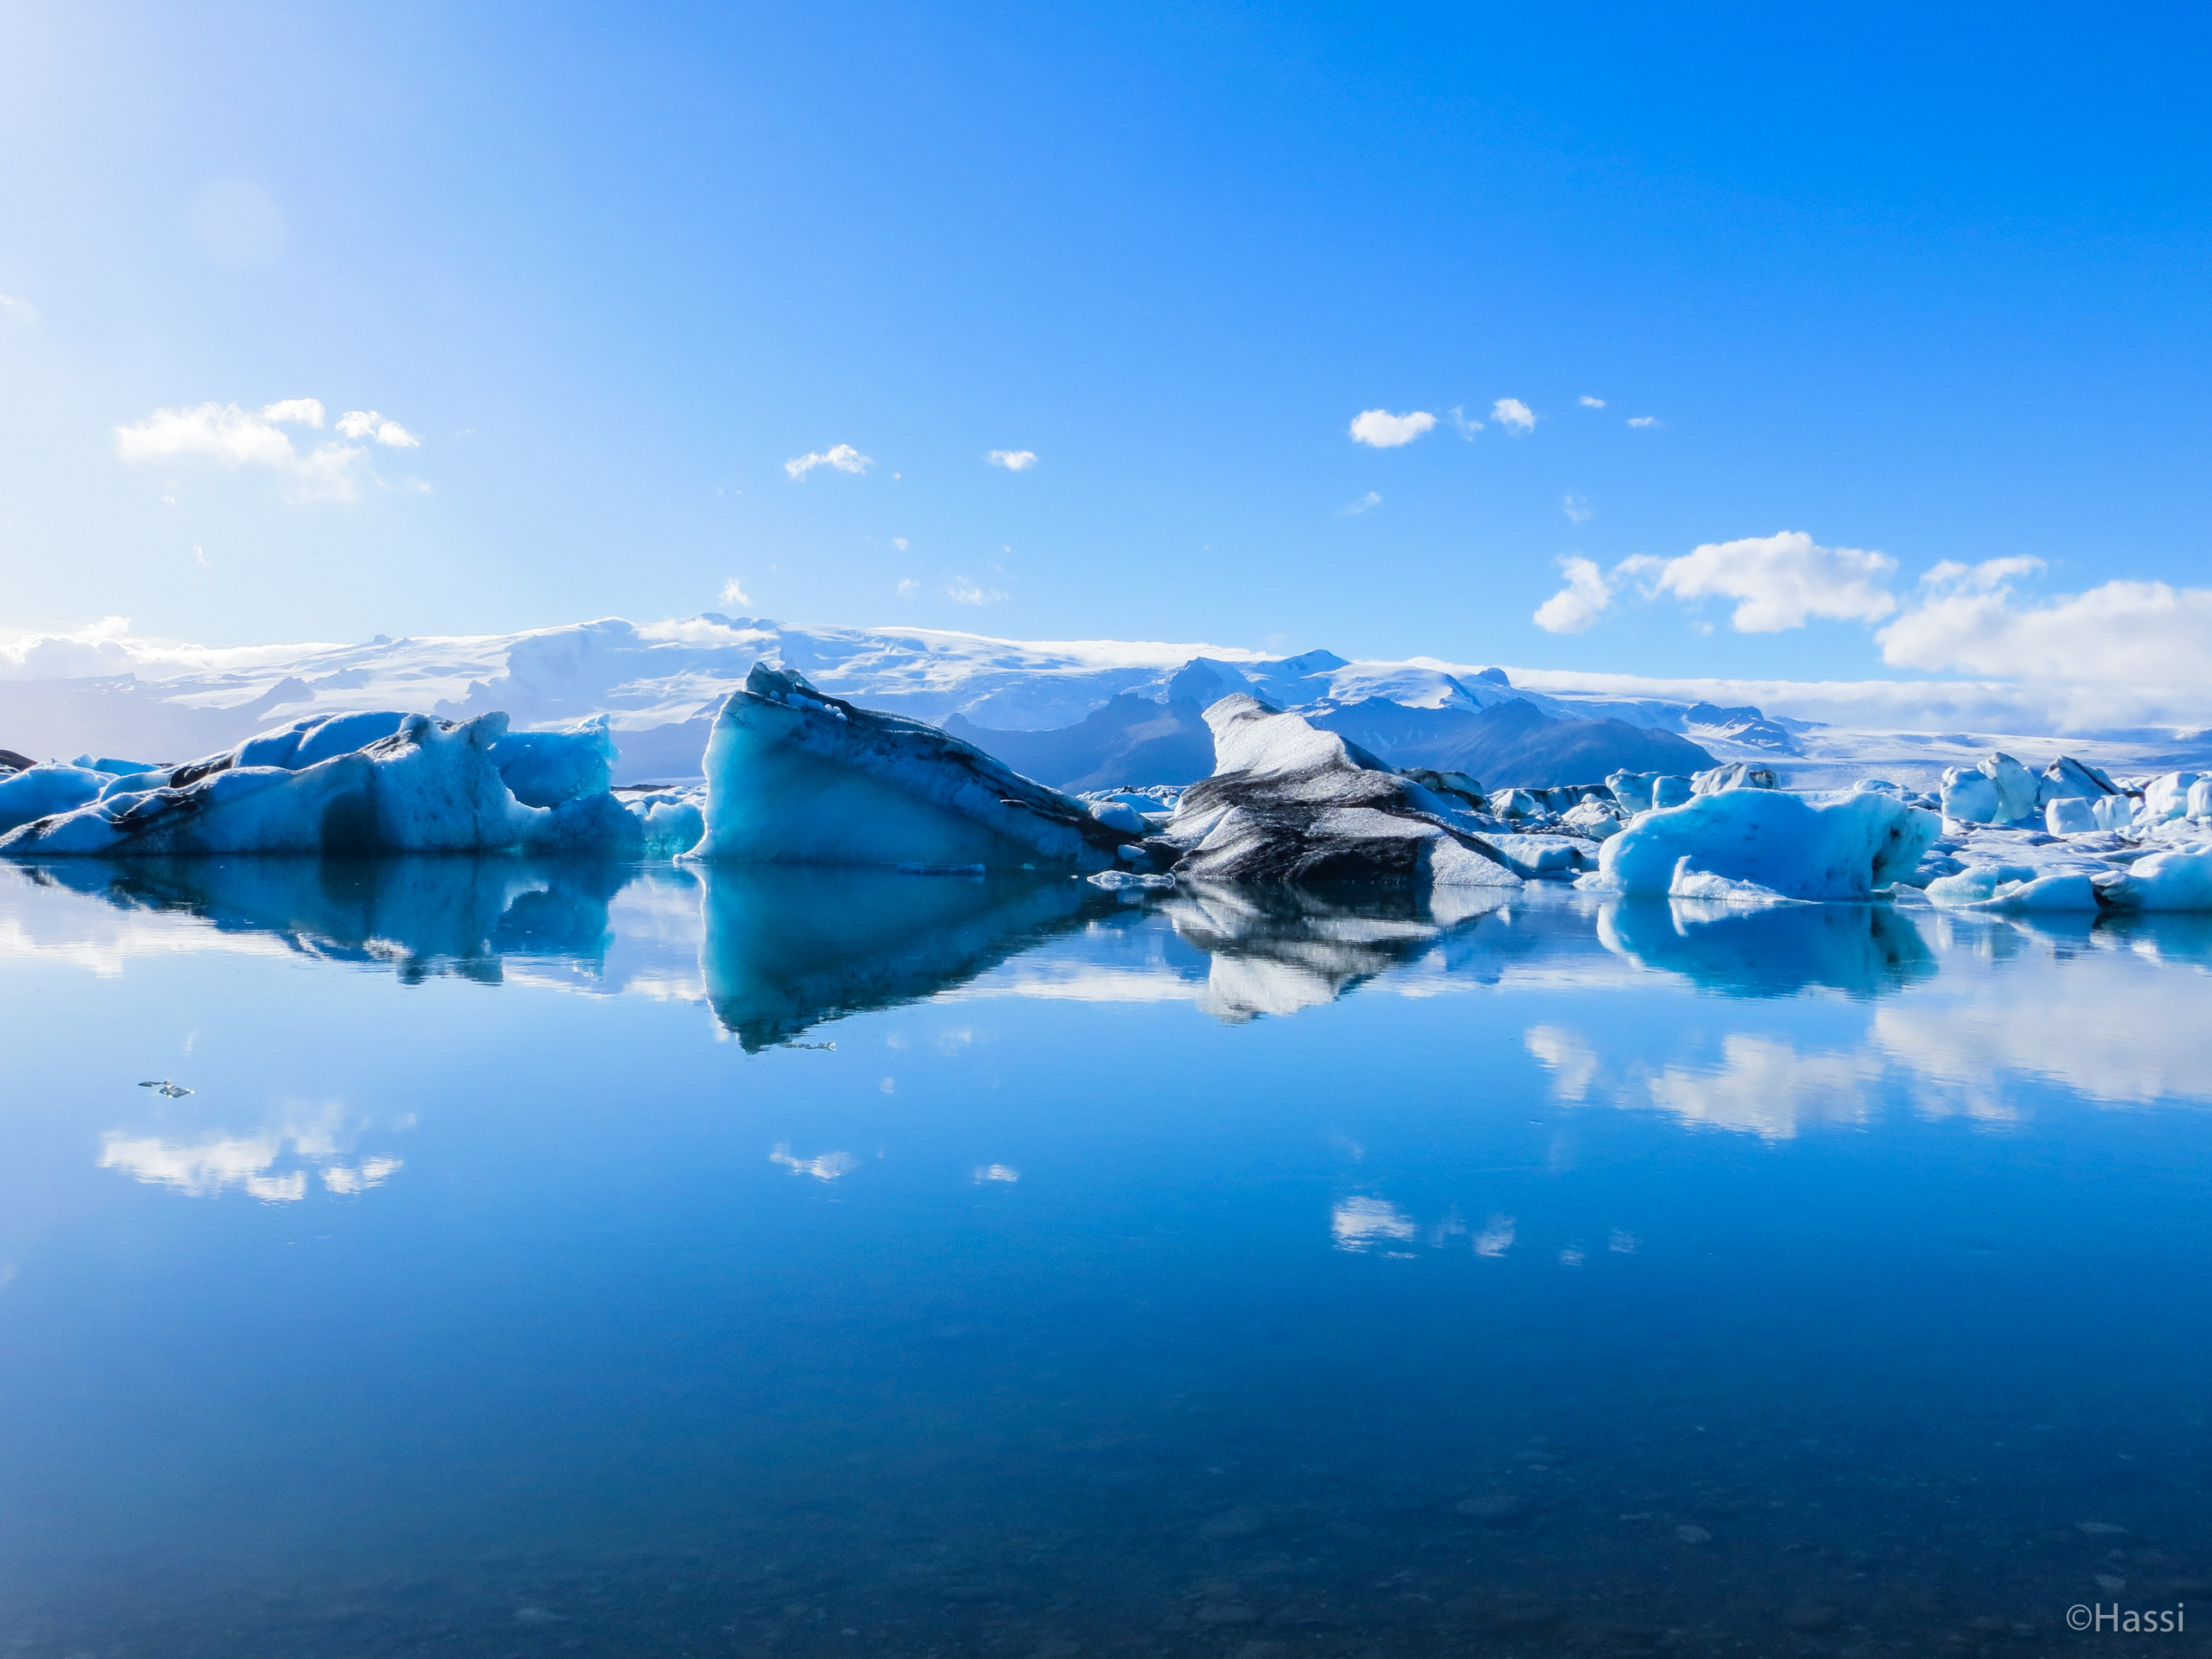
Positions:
(788, 946)
(1775, 951)
(421, 915)
(1277, 951)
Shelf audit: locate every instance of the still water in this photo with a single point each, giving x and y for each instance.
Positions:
(629, 1262)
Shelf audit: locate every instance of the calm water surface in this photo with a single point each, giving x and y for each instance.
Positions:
(635, 1262)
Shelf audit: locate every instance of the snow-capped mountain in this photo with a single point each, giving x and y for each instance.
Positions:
(1072, 702)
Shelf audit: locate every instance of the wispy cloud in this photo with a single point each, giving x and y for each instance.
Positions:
(1643, 420)
(1365, 504)
(1514, 415)
(962, 591)
(1588, 402)
(842, 458)
(1579, 604)
(733, 592)
(17, 311)
(1014, 461)
(1577, 509)
(1378, 428)
(233, 437)
(1466, 428)
(909, 588)
(368, 423)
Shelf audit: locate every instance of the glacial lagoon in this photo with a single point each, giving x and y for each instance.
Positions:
(629, 1260)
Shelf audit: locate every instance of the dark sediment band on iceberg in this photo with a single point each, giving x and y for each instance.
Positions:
(1290, 803)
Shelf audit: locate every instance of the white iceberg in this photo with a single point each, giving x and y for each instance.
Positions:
(1289, 802)
(794, 777)
(2178, 879)
(1646, 792)
(2174, 797)
(1999, 789)
(1790, 847)
(1741, 775)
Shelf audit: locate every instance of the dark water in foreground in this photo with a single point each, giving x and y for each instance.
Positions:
(526, 1276)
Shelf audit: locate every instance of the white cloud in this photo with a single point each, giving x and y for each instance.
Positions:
(1466, 428)
(368, 423)
(1577, 509)
(1366, 503)
(734, 593)
(1514, 415)
(1579, 604)
(1779, 580)
(909, 588)
(964, 592)
(842, 458)
(15, 310)
(1591, 403)
(1014, 461)
(1969, 621)
(898, 542)
(1378, 428)
(233, 437)
(1643, 420)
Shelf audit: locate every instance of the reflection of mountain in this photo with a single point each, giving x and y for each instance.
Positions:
(1776, 951)
(425, 915)
(1278, 951)
(788, 946)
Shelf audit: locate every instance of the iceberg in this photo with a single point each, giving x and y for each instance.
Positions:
(1647, 792)
(2171, 797)
(1999, 789)
(427, 786)
(42, 792)
(1740, 775)
(1289, 802)
(1791, 848)
(2177, 880)
(796, 777)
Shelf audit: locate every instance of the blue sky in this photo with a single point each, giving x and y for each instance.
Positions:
(1927, 286)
